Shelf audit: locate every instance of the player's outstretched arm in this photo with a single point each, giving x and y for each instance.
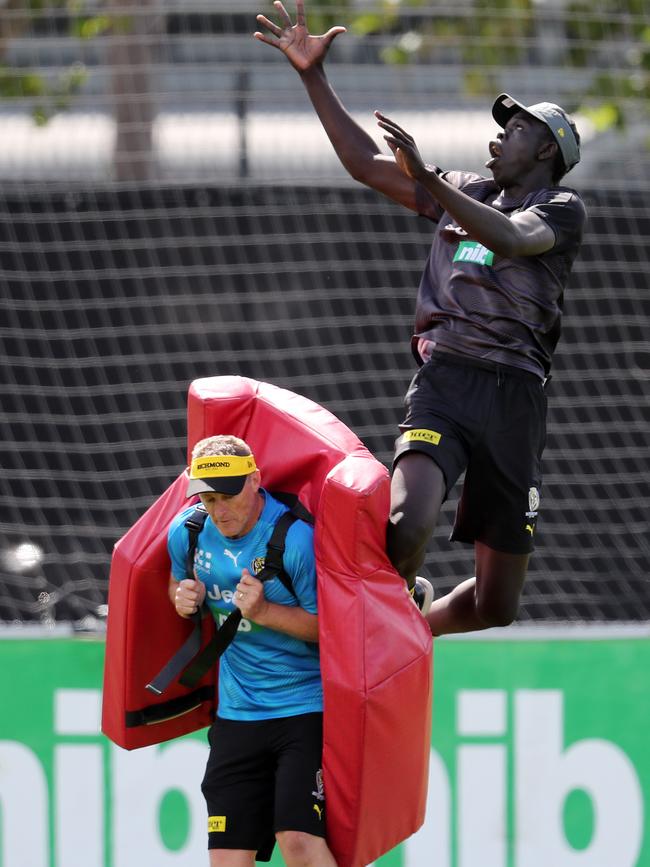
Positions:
(356, 150)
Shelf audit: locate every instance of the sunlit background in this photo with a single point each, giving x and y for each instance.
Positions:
(171, 209)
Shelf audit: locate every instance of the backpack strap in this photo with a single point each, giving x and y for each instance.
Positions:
(275, 548)
(294, 505)
(274, 559)
(192, 645)
(273, 568)
(190, 657)
(194, 524)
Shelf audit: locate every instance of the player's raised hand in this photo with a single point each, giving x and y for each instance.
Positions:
(301, 48)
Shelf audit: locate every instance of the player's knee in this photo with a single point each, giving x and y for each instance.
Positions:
(300, 849)
(406, 533)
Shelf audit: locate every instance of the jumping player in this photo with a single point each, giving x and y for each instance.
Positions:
(486, 324)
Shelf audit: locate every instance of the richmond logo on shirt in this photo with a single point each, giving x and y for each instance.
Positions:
(257, 565)
(472, 251)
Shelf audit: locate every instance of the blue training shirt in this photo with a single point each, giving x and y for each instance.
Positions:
(263, 674)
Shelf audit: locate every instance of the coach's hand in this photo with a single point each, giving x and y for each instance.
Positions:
(189, 596)
(303, 50)
(249, 597)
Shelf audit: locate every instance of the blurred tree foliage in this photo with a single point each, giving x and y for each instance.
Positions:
(23, 18)
(483, 36)
(610, 37)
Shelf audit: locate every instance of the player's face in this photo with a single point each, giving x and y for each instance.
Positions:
(513, 154)
(236, 515)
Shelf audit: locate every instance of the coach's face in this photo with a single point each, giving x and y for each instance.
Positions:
(235, 515)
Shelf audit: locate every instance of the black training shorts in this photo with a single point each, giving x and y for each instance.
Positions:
(264, 776)
(488, 420)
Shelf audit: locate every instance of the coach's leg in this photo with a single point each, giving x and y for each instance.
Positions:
(232, 858)
(417, 492)
(489, 599)
(304, 850)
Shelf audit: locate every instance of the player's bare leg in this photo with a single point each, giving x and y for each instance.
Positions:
(416, 494)
(489, 599)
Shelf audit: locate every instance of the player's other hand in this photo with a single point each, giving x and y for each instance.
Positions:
(189, 596)
(303, 50)
(403, 147)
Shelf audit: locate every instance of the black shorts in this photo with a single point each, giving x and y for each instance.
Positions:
(262, 777)
(490, 421)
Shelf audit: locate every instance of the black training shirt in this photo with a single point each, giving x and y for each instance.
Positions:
(476, 303)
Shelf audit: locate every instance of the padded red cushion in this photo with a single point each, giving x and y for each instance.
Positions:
(375, 646)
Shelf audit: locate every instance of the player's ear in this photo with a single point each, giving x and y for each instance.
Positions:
(547, 150)
(256, 480)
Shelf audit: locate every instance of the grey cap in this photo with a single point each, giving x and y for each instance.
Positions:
(552, 115)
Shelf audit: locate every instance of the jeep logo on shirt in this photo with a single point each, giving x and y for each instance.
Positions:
(472, 251)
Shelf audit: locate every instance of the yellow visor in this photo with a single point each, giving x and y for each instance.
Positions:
(222, 465)
(222, 474)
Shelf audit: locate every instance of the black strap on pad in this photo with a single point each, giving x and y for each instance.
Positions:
(192, 645)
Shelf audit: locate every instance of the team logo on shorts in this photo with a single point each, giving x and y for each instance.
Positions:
(257, 565)
(533, 506)
(216, 823)
(319, 794)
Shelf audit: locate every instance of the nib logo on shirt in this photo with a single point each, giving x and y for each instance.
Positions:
(472, 251)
